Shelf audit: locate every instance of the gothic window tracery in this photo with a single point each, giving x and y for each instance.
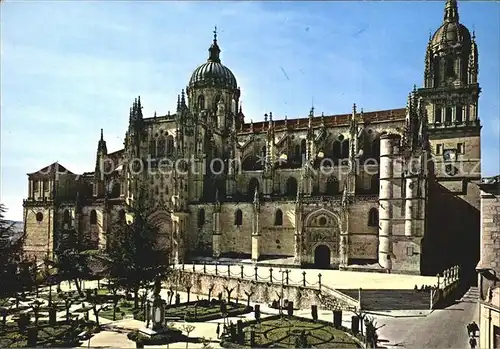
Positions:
(303, 148)
(238, 218)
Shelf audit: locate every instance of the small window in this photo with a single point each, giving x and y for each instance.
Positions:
(448, 114)
(66, 217)
(39, 216)
(438, 115)
(278, 218)
(238, 218)
(93, 217)
(201, 217)
(439, 149)
(373, 218)
(460, 148)
(409, 251)
(459, 114)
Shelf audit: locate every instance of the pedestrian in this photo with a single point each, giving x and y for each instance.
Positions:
(469, 331)
(218, 330)
(474, 328)
(472, 342)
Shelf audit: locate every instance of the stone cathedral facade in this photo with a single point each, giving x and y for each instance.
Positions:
(390, 189)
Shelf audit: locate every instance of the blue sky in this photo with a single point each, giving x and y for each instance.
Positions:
(70, 68)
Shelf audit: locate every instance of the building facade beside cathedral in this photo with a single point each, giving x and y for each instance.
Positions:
(300, 188)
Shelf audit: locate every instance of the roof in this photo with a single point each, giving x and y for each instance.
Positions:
(330, 120)
(54, 168)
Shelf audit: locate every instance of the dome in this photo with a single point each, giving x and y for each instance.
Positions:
(451, 32)
(213, 73)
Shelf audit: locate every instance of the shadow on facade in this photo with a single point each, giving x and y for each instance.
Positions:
(453, 236)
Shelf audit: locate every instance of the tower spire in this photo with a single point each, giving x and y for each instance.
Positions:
(451, 11)
(214, 49)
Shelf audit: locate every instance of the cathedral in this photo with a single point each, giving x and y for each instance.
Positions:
(391, 190)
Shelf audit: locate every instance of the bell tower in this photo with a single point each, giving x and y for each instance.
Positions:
(214, 100)
(450, 96)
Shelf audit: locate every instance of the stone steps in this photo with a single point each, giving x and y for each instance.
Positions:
(390, 299)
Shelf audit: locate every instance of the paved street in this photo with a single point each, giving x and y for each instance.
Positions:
(441, 329)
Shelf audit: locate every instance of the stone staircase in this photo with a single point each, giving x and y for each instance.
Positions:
(390, 299)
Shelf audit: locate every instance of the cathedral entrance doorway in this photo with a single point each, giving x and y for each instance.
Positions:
(322, 257)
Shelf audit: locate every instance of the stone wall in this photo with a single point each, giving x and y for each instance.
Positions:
(489, 320)
(39, 226)
(260, 291)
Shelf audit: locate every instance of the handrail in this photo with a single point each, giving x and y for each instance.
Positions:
(342, 296)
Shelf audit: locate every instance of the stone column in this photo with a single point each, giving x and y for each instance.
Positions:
(388, 143)
(216, 235)
(411, 205)
(255, 236)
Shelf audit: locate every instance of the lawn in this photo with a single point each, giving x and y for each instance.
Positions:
(284, 332)
(60, 335)
(124, 308)
(204, 310)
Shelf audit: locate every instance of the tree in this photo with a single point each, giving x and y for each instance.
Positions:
(188, 329)
(11, 253)
(133, 257)
(70, 262)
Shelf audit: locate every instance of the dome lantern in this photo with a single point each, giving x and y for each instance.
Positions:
(213, 73)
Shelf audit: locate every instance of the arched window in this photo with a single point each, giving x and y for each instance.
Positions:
(160, 147)
(375, 184)
(373, 218)
(336, 150)
(216, 101)
(303, 147)
(332, 186)
(291, 187)
(447, 115)
(201, 217)
(438, 117)
(238, 218)
(344, 150)
(170, 145)
(66, 218)
(93, 217)
(252, 186)
(278, 217)
(201, 102)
